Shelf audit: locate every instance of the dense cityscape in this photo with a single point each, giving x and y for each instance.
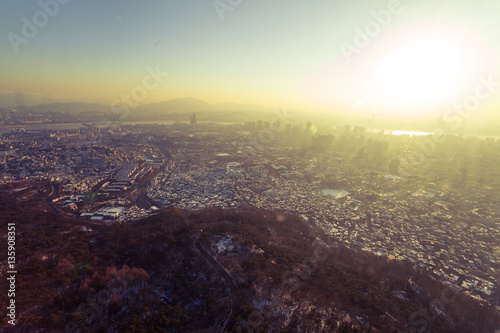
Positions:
(356, 185)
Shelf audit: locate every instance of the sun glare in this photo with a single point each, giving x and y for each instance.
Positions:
(420, 73)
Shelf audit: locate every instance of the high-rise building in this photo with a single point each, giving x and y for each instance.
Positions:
(323, 142)
(347, 130)
(193, 119)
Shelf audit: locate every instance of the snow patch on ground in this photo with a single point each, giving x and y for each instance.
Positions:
(225, 244)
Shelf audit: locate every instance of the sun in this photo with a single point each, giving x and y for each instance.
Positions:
(419, 73)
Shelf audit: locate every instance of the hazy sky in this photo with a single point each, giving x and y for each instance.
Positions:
(422, 57)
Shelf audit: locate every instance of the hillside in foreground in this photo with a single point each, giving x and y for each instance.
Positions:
(213, 271)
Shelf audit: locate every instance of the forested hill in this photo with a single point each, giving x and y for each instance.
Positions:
(211, 271)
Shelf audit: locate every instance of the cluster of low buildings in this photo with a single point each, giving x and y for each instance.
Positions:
(451, 233)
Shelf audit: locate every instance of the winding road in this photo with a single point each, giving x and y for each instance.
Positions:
(233, 288)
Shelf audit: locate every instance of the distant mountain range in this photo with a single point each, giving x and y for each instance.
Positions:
(176, 108)
(25, 99)
(182, 106)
